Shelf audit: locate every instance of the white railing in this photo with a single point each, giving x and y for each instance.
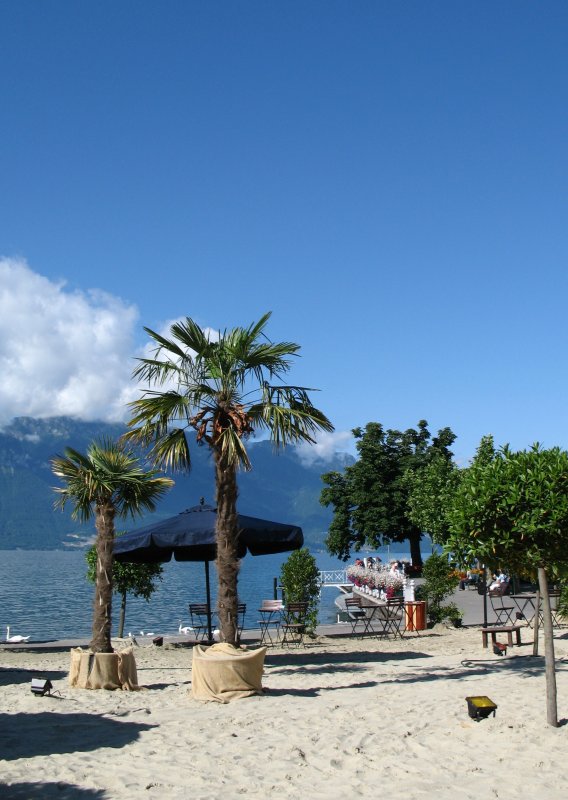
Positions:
(333, 577)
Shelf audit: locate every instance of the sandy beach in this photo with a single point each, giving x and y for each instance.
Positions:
(340, 716)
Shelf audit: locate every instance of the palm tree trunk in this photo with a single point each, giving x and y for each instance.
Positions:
(227, 547)
(102, 609)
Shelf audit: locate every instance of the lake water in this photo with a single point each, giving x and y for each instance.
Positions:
(44, 594)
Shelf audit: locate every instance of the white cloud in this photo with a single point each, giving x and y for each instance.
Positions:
(63, 352)
(326, 446)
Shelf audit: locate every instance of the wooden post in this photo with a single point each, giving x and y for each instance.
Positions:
(536, 626)
(551, 705)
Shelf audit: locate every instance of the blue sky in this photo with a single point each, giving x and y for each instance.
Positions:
(388, 178)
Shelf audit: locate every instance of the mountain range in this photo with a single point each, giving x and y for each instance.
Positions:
(281, 485)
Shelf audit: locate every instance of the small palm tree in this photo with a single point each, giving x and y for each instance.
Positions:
(110, 482)
(221, 387)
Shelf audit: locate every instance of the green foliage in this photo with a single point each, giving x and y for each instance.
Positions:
(440, 581)
(139, 580)
(511, 509)
(563, 601)
(108, 473)
(431, 490)
(300, 580)
(370, 498)
(225, 388)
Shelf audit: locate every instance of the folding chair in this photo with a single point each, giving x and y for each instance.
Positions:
(199, 620)
(241, 613)
(271, 613)
(396, 616)
(503, 613)
(294, 624)
(356, 614)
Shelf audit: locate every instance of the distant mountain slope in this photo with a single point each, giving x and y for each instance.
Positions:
(280, 486)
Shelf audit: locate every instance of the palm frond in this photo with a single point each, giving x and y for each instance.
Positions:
(171, 451)
(159, 408)
(108, 472)
(233, 448)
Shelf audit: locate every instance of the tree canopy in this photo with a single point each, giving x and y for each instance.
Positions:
(511, 509)
(371, 497)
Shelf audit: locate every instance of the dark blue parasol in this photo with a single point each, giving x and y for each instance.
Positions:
(190, 536)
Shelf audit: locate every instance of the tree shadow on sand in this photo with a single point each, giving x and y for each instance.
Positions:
(10, 676)
(525, 666)
(46, 733)
(49, 791)
(312, 662)
(315, 691)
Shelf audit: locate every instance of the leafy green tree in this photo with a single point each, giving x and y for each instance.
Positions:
(511, 508)
(301, 583)
(107, 482)
(370, 498)
(222, 387)
(139, 580)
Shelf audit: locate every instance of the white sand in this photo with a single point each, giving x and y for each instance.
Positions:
(342, 718)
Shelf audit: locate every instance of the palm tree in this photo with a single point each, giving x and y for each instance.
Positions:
(110, 482)
(221, 387)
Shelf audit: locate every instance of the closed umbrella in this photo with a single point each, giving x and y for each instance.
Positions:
(190, 536)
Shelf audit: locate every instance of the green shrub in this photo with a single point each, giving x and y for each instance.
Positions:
(300, 580)
(440, 581)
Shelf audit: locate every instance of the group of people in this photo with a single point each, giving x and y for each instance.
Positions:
(374, 562)
(473, 574)
(369, 563)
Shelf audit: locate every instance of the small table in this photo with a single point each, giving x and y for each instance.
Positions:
(269, 617)
(525, 602)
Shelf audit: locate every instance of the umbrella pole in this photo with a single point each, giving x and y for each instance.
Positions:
(208, 595)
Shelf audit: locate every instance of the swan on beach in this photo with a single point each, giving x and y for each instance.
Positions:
(15, 638)
(146, 634)
(186, 630)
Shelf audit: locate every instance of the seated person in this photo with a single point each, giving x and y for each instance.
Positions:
(498, 580)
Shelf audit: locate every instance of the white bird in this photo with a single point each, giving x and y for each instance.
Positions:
(151, 634)
(15, 638)
(186, 630)
(216, 635)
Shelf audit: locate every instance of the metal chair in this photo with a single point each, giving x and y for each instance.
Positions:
(503, 613)
(356, 614)
(241, 613)
(294, 623)
(271, 613)
(198, 613)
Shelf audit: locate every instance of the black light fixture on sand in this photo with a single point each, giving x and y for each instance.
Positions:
(480, 707)
(41, 687)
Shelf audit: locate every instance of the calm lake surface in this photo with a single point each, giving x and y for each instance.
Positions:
(44, 594)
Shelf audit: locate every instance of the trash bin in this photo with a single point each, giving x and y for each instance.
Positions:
(415, 615)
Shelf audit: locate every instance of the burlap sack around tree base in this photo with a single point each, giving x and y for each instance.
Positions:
(223, 673)
(103, 670)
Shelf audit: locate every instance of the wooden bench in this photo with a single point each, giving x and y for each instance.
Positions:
(508, 629)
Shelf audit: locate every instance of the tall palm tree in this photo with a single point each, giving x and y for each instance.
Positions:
(108, 481)
(222, 387)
